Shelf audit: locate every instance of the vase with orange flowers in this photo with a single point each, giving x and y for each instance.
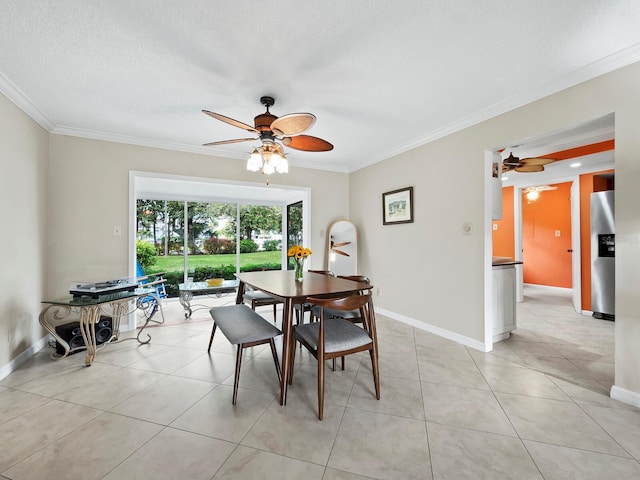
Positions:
(299, 254)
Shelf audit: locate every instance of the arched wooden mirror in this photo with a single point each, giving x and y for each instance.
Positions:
(342, 257)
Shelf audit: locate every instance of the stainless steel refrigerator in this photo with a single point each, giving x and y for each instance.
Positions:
(603, 253)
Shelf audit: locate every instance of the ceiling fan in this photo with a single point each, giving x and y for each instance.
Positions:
(539, 188)
(272, 130)
(525, 165)
(532, 193)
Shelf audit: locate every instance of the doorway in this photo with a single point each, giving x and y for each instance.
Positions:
(577, 151)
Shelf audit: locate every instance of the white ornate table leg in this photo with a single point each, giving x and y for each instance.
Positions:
(118, 309)
(58, 312)
(89, 316)
(185, 300)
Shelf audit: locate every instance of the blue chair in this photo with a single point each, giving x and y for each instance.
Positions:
(150, 304)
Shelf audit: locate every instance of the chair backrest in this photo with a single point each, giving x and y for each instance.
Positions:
(323, 272)
(362, 302)
(356, 278)
(157, 281)
(139, 272)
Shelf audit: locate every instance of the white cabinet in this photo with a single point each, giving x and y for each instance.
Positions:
(504, 301)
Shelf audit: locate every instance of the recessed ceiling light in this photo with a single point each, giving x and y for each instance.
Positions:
(575, 165)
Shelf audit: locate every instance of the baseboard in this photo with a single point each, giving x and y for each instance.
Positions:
(549, 288)
(441, 332)
(14, 364)
(625, 396)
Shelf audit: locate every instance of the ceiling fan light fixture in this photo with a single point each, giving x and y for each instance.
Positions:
(268, 168)
(533, 195)
(267, 159)
(255, 161)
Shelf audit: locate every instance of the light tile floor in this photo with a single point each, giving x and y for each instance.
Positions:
(536, 407)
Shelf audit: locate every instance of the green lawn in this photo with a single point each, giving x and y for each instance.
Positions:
(176, 262)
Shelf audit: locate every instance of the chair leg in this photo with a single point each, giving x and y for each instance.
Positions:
(213, 332)
(274, 313)
(272, 344)
(374, 368)
(236, 378)
(292, 358)
(320, 387)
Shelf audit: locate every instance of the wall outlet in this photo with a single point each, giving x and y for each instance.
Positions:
(466, 228)
(557, 233)
(495, 226)
(379, 292)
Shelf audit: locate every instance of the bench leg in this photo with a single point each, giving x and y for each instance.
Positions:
(236, 378)
(213, 332)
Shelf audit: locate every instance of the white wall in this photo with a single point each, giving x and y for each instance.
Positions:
(430, 272)
(89, 193)
(23, 192)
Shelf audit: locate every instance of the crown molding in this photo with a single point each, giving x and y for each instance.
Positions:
(13, 93)
(613, 62)
(588, 72)
(178, 147)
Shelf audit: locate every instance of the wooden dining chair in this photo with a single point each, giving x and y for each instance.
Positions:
(257, 298)
(330, 338)
(352, 316)
(301, 309)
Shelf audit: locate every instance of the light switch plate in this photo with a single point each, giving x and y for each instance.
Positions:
(466, 228)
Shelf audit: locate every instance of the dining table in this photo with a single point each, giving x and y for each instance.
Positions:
(283, 285)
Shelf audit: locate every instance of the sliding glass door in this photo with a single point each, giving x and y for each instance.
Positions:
(194, 241)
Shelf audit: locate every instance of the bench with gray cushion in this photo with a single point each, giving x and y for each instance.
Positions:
(245, 328)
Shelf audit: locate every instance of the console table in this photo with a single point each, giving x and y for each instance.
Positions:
(189, 289)
(88, 310)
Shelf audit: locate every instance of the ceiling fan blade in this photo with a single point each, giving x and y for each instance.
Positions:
(230, 121)
(292, 124)
(340, 252)
(529, 168)
(225, 142)
(341, 244)
(537, 161)
(307, 143)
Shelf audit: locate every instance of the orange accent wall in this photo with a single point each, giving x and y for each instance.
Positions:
(545, 256)
(503, 230)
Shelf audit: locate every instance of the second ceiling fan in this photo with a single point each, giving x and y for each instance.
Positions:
(525, 165)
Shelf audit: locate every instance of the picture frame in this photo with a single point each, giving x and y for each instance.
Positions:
(397, 206)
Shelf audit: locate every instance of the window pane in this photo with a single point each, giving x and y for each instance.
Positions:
(294, 228)
(260, 237)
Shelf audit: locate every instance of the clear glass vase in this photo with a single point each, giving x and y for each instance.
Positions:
(298, 269)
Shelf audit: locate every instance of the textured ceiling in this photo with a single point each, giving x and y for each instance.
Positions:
(381, 77)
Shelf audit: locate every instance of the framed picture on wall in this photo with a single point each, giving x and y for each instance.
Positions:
(397, 206)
